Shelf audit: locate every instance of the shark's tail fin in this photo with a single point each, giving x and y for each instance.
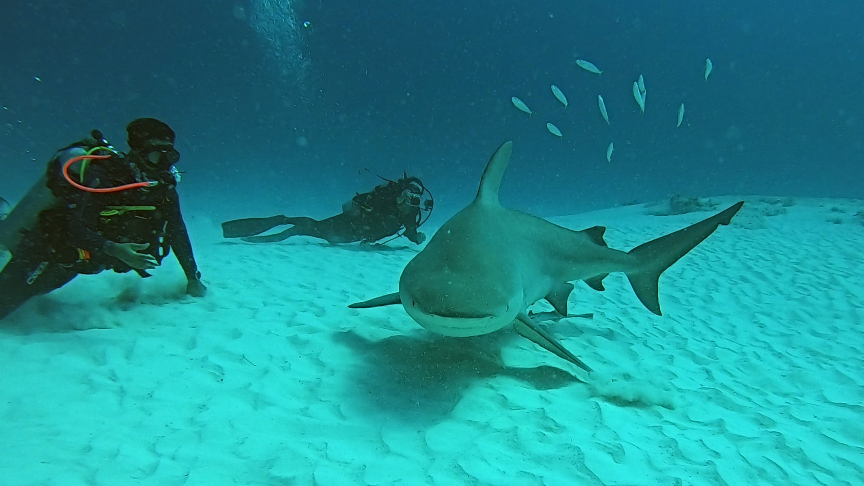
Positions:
(657, 255)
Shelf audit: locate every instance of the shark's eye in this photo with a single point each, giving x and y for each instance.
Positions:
(413, 304)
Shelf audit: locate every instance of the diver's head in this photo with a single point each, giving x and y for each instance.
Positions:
(153, 143)
(412, 193)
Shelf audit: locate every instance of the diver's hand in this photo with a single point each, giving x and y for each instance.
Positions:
(128, 254)
(421, 237)
(195, 288)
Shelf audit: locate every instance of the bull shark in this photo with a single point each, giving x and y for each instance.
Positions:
(484, 267)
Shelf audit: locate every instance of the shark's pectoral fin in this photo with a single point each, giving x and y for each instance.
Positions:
(528, 329)
(558, 297)
(658, 255)
(389, 299)
(596, 283)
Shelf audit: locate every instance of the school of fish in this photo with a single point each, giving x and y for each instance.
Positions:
(640, 94)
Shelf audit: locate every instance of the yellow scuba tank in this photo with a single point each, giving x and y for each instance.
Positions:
(25, 214)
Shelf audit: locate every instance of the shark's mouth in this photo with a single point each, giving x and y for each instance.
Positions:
(442, 311)
(461, 315)
(457, 322)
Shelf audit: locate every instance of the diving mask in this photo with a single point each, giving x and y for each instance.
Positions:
(410, 197)
(161, 155)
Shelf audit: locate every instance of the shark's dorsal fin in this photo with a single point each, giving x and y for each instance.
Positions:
(490, 183)
(595, 233)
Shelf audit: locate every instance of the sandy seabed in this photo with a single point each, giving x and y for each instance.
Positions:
(754, 375)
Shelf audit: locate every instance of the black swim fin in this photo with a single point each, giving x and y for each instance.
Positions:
(250, 226)
(284, 235)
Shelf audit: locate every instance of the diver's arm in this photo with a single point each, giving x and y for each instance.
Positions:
(410, 223)
(178, 238)
(411, 234)
(415, 236)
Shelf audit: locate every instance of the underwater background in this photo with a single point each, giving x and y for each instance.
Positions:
(291, 101)
(751, 377)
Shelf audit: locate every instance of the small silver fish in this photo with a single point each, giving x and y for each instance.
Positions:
(521, 105)
(637, 95)
(602, 105)
(553, 130)
(588, 66)
(559, 95)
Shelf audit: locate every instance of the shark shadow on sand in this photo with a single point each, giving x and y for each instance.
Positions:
(426, 377)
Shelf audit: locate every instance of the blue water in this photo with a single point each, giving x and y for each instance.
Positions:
(293, 115)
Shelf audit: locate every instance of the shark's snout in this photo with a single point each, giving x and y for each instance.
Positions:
(456, 310)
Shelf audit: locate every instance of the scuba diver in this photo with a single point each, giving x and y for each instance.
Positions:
(367, 218)
(97, 209)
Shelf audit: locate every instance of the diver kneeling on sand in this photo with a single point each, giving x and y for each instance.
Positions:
(367, 218)
(97, 209)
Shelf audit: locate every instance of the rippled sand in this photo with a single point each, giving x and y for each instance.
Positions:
(752, 376)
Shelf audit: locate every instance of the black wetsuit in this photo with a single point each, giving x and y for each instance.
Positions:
(70, 237)
(373, 216)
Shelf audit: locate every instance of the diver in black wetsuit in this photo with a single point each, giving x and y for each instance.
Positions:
(367, 218)
(111, 212)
